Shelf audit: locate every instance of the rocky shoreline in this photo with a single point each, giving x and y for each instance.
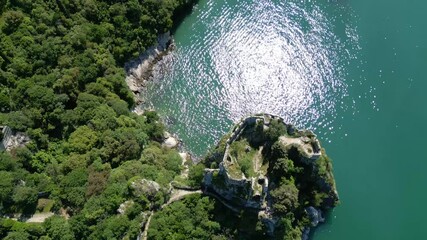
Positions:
(140, 70)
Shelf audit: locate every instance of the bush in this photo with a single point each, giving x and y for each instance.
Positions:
(285, 198)
(196, 174)
(24, 196)
(275, 130)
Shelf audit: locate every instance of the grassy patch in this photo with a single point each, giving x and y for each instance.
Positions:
(44, 205)
(244, 157)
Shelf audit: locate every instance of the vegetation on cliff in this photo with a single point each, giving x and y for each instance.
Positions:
(62, 82)
(300, 187)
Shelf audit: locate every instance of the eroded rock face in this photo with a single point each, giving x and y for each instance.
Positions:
(262, 159)
(11, 139)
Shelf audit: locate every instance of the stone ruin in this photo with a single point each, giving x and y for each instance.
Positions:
(252, 192)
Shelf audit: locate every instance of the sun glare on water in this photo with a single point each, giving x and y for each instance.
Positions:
(248, 57)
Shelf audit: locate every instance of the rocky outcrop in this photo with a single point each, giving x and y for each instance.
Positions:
(305, 234)
(170, 141)
(144, 187)
(315, 216)
(139, 71)
(11, 139)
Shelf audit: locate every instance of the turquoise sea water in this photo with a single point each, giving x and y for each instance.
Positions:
(351, 70)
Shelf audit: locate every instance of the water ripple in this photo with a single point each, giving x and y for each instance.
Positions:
(244, 57)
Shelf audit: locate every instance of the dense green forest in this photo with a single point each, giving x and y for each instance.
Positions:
(62, 83)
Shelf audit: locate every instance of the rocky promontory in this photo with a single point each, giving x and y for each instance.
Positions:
(275, 171)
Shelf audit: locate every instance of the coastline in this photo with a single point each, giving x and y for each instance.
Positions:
(139, 71)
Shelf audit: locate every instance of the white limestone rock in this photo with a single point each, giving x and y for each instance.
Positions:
(171, 142)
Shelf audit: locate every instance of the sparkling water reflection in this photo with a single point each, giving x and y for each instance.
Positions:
(234, 58)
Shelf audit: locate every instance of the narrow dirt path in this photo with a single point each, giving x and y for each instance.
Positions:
(147, 225)
(177, 195)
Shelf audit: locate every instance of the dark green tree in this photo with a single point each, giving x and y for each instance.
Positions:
(57, 228)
